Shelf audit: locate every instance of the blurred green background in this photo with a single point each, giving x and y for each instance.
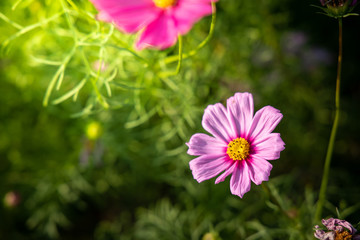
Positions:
(76, 170)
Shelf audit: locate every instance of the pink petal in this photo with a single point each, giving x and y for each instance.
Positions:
(269, 147)
(240, 180)
(202, 144)
(188, 12)
(215, 121)
(227, 172)
(123, 3)
(161, 33)
(318, 232)
(241, 110)
(335, 224)
(206, 167)
(129, 16)
(259, 169)
(264, 122)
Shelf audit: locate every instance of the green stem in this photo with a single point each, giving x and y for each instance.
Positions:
(325, 178)
(166, 74)
(180, 55)
(202, 44)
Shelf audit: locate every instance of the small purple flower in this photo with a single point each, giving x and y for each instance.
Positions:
(337, 230)
(241, 145)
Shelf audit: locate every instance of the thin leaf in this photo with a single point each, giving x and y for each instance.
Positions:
(72, 92)
(45, 61)
(86, 111)
(142, 119)
(29, 28)
(12, 23)
(122, 85)
(52, 85)
(60, 80)
(108, 89)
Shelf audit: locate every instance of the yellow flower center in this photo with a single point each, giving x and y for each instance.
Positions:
(238, 149)
(345, 235)
(164, 3)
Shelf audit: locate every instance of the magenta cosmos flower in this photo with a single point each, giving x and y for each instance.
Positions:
(161, 21)
(241, 143)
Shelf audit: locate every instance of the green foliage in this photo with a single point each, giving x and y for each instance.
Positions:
(62, 70)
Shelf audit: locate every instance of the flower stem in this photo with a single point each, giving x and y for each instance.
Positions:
(325, 178)
(202, 44)
(180, 55)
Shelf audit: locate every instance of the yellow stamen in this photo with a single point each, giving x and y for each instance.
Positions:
(164, 3)
(238, 149)
(345, 235)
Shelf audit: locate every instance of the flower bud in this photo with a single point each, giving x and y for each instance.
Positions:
(337, 3)
(338, 8)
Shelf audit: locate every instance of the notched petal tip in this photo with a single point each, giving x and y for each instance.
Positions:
(240, 109)
(264, 122)
(259, 170)
(215, 121)
(269, 146)
(240, 182)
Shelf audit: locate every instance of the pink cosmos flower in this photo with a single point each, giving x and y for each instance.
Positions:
(241, 143)
(161, 21)
(336, 229)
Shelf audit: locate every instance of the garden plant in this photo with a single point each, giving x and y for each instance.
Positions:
(179, 119)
